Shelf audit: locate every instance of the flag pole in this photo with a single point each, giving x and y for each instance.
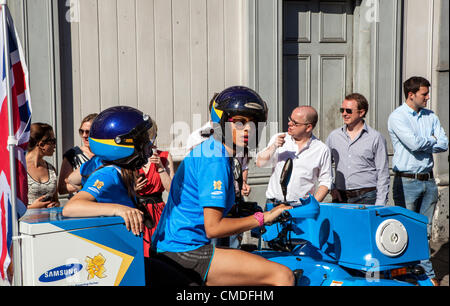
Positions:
(12, 144)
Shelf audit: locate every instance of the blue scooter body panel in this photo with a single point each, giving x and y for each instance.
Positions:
(338, 238)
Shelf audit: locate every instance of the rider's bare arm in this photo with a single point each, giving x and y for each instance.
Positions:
(83, 204)
(216, 226)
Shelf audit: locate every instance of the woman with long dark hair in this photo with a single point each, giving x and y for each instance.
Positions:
(42, 176)
(153, 179)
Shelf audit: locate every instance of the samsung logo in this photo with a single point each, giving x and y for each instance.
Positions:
(60, 273)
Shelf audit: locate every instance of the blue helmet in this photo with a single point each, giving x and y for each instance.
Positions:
(238, 100)
(119, 135)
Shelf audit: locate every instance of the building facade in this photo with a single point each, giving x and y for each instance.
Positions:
(168, 57)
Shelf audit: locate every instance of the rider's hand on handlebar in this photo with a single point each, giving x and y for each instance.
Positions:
(274, 213)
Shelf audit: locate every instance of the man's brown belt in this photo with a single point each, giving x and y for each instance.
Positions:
(357, 192)
(417, 176)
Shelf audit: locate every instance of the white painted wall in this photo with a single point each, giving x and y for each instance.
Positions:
(165, 57)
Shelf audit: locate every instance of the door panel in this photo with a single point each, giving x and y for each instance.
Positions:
(317, 59)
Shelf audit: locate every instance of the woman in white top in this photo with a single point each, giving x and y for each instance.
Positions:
(42, 176)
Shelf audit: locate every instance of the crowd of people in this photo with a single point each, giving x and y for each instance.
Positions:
(120, 166)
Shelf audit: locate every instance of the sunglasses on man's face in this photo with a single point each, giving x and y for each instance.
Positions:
(347, 110)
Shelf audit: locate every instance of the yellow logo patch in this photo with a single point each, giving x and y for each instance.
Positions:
(99, 184)
(217, 185)
(96, 266)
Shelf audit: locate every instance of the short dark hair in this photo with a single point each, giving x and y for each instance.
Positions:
(413, 85)
(38, 131)
(360, 100)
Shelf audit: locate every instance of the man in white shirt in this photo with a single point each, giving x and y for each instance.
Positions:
(311, 159)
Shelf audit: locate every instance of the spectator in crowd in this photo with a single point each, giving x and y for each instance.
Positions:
(79, 176)
(311, 159)
(416, 134)
(75, 157)
(153, 179)
(42, 176)
(360, 157)
(203, 133)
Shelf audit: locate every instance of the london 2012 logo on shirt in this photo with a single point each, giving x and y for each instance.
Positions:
(217, 188)
(99, 184)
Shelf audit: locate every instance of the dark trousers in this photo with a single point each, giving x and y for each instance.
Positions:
(368, 198)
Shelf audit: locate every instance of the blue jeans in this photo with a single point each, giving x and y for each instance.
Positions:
(421, 197)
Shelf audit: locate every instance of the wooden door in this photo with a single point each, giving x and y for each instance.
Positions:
(317, 59)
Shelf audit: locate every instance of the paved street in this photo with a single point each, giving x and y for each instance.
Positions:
(439, 258)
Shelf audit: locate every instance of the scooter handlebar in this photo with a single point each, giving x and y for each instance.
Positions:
(308, 208)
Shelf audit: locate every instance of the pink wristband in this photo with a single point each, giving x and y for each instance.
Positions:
(260, 217)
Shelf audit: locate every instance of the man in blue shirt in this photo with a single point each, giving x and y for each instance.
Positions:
(360, 157)
(416, 134)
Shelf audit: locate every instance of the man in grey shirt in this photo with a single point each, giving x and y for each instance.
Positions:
(360, 157)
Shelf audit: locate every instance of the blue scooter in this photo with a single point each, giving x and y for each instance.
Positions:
(323, 244)
(347, 244)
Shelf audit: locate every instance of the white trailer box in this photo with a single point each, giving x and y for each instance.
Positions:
(59, 251)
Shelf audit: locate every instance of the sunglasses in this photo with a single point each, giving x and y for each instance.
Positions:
(82, 132)
(50, 141)
(347, 110)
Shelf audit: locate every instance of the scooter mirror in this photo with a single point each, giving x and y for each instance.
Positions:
(285, 176)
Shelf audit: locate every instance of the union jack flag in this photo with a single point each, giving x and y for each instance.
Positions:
(21, 108)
